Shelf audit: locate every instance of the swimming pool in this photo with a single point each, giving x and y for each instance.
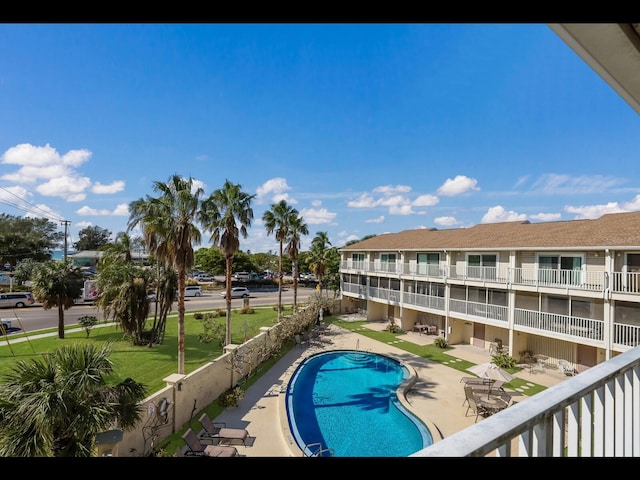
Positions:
(344, 402)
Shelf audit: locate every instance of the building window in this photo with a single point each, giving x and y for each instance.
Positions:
(560, 269)
(428, 263)
(482, 266)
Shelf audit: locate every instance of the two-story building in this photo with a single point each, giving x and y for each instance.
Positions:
(566, 290)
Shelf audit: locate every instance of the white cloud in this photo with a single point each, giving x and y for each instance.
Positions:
(498, 214)
(115, 187)
(445, 221)
(316, 203)
(459, 185)
(320, 216)
(553, 184)
(363, 201)
(425, 201)
(594, 211)
(274, 187)
(120, 210)
(379, 219)
(67, 187)
(547, 217)
(401, 210)
(390, 189)
(41, 162)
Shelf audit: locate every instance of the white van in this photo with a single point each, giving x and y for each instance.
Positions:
(242, 276)
(193, 291)
(16, 300)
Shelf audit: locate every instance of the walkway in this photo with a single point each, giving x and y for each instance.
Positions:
(437, 396)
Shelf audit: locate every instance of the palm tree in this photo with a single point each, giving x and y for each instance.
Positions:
(297, 227)
(169, 229)
(57, 404)
(277, 220)
(319, 255)
(228, 214)
(57, 284)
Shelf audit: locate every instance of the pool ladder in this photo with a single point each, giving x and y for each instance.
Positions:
(318, 452)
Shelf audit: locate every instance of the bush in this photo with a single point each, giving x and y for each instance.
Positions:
(231, 397)
(504, 360)
(87, 322)
(440, 342)
(198, 315)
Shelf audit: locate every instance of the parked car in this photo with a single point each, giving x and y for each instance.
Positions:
(16, 300)
(242, 276)
(237, 292)
(205, 277)
(193, 291)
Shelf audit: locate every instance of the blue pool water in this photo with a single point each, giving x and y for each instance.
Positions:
(346, 401)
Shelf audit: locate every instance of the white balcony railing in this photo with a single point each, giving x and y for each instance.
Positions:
(574, 279)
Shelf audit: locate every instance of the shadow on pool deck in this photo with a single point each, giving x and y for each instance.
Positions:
(436, 397)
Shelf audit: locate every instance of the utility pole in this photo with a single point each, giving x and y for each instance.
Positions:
(66, 227)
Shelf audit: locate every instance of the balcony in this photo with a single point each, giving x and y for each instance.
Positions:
(585, 330)
(507, 277)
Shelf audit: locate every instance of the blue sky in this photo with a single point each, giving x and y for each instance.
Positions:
(363, 128)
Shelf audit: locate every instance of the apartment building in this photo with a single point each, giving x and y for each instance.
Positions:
(567, 290)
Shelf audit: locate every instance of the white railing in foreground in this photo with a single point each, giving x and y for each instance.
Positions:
(594, 414)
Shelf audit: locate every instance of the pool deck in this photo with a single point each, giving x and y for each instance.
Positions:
(436, 397)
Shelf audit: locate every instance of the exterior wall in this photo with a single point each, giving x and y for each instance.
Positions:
(186, 395)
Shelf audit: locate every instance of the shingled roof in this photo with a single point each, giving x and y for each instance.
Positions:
(613, 230)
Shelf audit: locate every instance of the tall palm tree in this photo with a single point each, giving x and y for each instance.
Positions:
(169, 229)
(228, 214)
(57, 284)
(277, 220)
(297, 227)
(57, 404)
(319, 255)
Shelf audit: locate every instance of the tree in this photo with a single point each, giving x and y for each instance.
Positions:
(123, 288)
(228, 216)
(57, 404)
(319, 255)
(169, 228)
(297, 227)
(27, 238)
(57, 284)
(277, 220)
(92, 238)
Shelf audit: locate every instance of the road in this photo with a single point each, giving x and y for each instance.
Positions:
(35, 317)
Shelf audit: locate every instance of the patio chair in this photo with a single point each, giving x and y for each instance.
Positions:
(495, 386)
(195, 447)
(473, 405)
(219, 433)
(566, 368)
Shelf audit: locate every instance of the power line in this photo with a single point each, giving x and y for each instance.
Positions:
(35, 209)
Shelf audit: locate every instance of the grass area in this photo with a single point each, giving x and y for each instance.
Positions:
(145, 365)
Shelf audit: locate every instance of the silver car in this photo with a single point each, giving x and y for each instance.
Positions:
(237, 292)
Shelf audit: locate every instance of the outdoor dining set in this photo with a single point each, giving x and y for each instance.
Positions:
(484, 395)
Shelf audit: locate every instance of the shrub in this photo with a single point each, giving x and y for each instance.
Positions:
(198, 315)
(440, 342)
(87, 322)
(504, 360)
(231, 397)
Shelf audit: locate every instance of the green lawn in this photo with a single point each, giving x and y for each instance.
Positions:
(145, 365)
